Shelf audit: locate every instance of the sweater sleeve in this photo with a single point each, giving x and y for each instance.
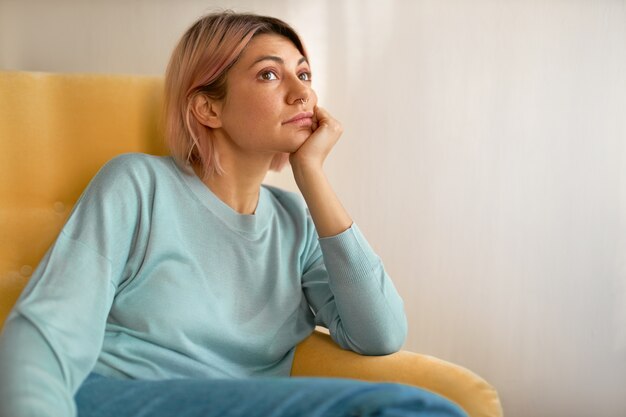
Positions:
(352, 295)
(54, 333)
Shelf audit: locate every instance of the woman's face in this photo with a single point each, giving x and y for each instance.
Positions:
(264, 89)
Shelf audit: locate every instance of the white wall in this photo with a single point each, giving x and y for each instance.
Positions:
(484, 157)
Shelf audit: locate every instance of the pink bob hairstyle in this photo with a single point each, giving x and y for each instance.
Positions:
(199, 65)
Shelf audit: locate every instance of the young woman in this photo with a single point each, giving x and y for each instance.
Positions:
(180, 285)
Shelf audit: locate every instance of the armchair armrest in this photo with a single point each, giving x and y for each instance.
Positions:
(319, 356)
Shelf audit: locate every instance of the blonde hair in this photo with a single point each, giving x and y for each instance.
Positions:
(199, 65)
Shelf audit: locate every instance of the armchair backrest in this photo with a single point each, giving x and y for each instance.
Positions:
(56, 131)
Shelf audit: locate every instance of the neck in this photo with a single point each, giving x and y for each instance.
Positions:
(239, 194)
(240, 185)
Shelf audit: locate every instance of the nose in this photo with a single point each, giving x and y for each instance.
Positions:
(298, 90)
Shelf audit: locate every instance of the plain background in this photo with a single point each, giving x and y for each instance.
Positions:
(483, 156)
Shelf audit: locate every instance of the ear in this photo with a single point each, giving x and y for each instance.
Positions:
(207, 110)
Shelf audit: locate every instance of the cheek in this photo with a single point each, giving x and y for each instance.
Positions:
(246, 113)
(259, 111)
(254, 121)
(267, 109)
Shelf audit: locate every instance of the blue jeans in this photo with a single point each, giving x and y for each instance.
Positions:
(257, 397)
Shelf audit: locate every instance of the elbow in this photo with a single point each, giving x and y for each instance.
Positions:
(396, 337)
(388, 342)
(379, 340)
(392, 344)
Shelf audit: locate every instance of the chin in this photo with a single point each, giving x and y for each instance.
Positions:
(300, 136)
(299, 144)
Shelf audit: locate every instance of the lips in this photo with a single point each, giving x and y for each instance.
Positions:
(300, 118)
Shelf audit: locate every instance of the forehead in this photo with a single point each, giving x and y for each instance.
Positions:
(269, 44)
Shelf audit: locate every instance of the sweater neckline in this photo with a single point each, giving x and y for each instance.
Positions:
(244, 223)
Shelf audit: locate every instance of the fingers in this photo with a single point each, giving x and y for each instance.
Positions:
(322, 117)
(316, 118)
(321, 114)
(315, 123)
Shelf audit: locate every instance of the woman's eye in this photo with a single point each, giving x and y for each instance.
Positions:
(267, 75)
(305, 76)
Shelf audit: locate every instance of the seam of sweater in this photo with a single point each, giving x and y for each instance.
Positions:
(63, 232)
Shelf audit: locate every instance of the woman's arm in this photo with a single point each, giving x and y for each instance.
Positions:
(54, 333)
(327, 212)
(329, 216)
(52, 337)
(344, 281)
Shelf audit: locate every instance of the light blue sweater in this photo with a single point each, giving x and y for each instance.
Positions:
(154, 277)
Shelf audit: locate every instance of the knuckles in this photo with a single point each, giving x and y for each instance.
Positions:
(337, 127)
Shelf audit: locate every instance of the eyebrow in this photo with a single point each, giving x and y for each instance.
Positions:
(276, 59)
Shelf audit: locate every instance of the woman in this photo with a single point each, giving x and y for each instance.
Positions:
(181, 285)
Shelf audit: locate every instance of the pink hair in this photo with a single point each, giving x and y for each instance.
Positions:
(199, 65)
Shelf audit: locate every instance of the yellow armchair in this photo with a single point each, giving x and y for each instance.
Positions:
(57, 130)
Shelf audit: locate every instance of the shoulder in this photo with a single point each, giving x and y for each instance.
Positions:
(132, 167)
(294, 206)
(128, 176)
(133, 162)
(289, 200)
